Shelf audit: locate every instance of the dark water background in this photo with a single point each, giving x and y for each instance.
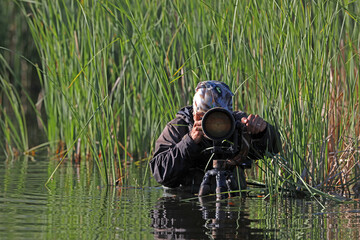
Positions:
(74, 205)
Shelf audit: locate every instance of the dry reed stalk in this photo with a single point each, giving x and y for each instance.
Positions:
(340, 162)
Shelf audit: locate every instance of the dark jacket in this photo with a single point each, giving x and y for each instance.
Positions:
(177, 156)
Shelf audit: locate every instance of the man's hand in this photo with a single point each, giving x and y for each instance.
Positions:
(254, 124)
(196, 133)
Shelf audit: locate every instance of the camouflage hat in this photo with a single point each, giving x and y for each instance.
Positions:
(209, 94)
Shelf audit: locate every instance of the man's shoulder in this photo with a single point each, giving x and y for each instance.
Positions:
(178, 120)
(183, 118)
(184, 115)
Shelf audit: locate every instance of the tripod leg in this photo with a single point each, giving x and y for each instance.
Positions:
(205, 184)
(231, 184)
(221, 185)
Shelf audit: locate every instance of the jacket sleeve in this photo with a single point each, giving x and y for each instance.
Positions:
(265, 142)
(175, 153)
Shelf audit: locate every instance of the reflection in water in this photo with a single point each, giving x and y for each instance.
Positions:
(73, 206)
(176, 218)
(76, 206)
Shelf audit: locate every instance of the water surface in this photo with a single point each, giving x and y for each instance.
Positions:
(75, 205)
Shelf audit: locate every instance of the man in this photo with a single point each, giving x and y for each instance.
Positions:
(180, 159)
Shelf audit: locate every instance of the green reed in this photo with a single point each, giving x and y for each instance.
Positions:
(14, 76)
(299, 54)
(12, 117)
(113, 73)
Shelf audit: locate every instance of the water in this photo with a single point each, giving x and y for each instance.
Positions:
(74, 205)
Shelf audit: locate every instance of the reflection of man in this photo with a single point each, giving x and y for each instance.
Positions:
(179, 159)
(172, 219)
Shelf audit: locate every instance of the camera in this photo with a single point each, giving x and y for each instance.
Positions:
(220, 126)
(227, 135)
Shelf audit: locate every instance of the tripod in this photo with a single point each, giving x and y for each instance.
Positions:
(225, 181)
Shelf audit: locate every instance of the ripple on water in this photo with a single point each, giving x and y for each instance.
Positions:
(76, 208)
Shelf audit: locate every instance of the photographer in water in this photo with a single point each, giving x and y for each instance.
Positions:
(181, 159)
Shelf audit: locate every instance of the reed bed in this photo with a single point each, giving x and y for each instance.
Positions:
(113, 73)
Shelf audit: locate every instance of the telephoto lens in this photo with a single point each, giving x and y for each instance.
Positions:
(218, 124)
